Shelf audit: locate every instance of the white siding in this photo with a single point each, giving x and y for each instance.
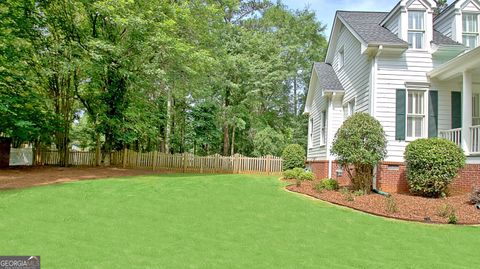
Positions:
(320, 103)
(393, 24)
(355, 73)
(393, 72)
(446, 25)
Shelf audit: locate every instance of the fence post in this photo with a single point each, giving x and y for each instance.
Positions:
(268, 164)
(155, 157)
(124, 158)
(184, 162)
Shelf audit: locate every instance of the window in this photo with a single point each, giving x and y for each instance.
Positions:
(349, 109)
(323, 128)
(415, 114)
(341, 58)
(470, 30)
(310, 133)
(416, 29)
(476, 109)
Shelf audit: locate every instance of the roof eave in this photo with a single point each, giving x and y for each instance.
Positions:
(456, 65)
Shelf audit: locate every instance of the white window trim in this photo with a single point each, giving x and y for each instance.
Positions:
(310, 132)
(411, 30)
(349, 107)
(323, 128)
(341, 58)
(425, 115)
(476, 34)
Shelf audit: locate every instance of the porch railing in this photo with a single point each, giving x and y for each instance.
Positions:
(454, 135)
(475, 139)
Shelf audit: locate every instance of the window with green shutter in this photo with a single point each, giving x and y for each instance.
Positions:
(432, 114)
(400, 115)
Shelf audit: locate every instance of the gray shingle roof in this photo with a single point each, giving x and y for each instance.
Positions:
(327, 78)
(367, 26)
(440, 39)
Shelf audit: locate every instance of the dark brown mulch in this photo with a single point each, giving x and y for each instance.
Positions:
(21, 177)
(409, 207)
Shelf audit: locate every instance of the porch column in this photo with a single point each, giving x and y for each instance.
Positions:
(466, 110)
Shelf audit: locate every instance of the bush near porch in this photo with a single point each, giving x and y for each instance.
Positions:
(432, 164)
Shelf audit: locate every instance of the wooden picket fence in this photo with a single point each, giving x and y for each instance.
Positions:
(185, 162)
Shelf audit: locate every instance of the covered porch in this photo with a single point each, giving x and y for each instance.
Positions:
(459, 79)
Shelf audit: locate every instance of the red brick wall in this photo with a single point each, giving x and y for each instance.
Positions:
(320, 169)
(467, 179)
(391, 176)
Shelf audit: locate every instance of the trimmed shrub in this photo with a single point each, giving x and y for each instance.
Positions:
(293, 156)
(329, 184)
(293, 173)
(307, 175)
(432, 164)
(289, 174)
(360, 144)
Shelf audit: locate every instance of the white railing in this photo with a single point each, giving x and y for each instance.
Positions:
(454, 135)
(475, 139)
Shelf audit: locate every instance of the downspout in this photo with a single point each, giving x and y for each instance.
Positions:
(329, 126)
(372, 113)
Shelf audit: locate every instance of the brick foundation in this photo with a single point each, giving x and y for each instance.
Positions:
(391, 176)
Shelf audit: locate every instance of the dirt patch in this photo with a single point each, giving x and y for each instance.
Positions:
(408, 207)
(21, 177)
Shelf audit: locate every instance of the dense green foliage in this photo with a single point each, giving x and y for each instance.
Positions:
(201, 222)
(360, 143)
(328, 184)
(293, 173)
(306, 175)
(293, 156)
(432, 164)
(289, 174)
(178, 76)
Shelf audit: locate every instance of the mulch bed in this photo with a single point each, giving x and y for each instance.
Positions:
(27, 176)
(409, 207)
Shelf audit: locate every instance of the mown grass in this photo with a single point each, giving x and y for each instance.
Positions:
(214, 221)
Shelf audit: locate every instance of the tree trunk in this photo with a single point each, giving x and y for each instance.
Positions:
(168, 126)
(226, 142)
(295, 98)
(233, 141)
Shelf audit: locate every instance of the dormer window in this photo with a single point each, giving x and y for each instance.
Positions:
(470, 30)
(416, 29)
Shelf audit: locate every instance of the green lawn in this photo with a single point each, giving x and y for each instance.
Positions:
(215, 221)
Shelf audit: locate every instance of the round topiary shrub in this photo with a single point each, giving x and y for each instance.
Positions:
(360, 144)
(432, 164)
(293, 156)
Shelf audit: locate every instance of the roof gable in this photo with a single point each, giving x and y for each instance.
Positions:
(327, 81)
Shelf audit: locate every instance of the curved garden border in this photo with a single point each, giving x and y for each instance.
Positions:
(467, 215)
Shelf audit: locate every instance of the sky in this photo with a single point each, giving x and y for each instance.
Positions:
(325, 9)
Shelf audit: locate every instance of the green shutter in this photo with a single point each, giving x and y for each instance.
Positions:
(432, 114)
(456, 110)
(400, 115)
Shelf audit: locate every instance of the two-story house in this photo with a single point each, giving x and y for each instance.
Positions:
(416, 72)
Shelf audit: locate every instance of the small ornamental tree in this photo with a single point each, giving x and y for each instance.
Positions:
(359, 145)
(432, 164)
(293, 156)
